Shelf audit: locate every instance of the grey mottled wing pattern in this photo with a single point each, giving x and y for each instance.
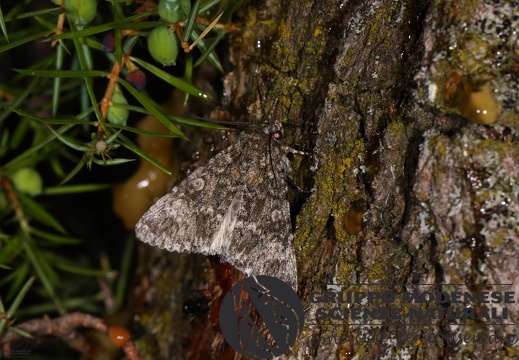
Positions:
(235, 206)
(184, 219)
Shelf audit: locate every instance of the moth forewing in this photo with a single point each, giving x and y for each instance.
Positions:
(220, 241)
(236, 207)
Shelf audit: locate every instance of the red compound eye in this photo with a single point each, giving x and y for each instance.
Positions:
(277, 135)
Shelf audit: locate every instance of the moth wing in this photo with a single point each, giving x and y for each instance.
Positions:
(265, 250)
(261, 242)
(236, 207)
(185, 219)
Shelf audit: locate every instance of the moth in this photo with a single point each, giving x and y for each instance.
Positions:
(236, 206)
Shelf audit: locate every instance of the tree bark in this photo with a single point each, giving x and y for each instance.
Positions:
(410, 184)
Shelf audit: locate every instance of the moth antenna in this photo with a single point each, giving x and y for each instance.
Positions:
(225, 122)
(292, 124)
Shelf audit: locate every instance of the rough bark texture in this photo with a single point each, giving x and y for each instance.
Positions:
(408, 186)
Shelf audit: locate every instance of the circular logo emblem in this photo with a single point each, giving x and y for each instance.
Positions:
(261, 317)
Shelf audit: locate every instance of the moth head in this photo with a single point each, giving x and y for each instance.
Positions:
(275, 130)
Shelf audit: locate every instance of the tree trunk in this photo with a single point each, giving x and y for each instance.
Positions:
(409, 109)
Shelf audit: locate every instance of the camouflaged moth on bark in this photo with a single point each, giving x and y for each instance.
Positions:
(236, 207)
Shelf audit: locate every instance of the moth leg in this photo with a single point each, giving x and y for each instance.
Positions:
(288, 149)
(259, 284)
(293, 184)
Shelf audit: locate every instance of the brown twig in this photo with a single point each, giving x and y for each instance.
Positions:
(105, 102)
(59, 26)
(66, 328)
(18, 211)
(7, 95)
(146, 5)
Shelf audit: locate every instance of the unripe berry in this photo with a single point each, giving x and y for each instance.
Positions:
(81, 12)
(174, 11)
(163, 45)
(27, 180)
(117, 115)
